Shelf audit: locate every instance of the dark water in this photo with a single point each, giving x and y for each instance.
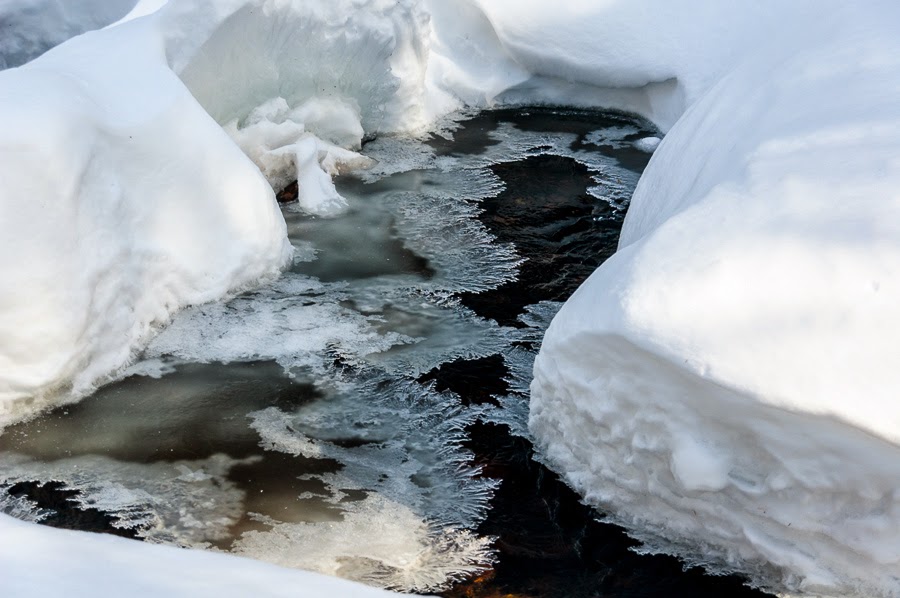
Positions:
(547, 543)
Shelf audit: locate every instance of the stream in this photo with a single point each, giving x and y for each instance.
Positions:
(366, 414)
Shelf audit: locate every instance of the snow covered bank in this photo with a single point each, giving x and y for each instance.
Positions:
(110, 220)
(726, 384)
(46, 561)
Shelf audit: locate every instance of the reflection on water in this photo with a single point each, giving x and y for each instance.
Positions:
(193, 413)
(359, 416)
(363, 242)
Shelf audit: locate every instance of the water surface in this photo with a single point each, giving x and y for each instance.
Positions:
(364, 415)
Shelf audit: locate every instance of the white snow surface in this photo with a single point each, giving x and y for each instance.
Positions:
(86, 564)
(110, 219)
(724, 385)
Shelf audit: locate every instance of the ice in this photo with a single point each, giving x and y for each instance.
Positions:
(297, 321)
(647, 144)
(182, 503)
(411, 529)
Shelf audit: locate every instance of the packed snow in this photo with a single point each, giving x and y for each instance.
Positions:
(101, 565)
(723, 386)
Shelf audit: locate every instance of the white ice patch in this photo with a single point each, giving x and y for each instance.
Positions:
(611, 136)
(296, 321)
(421, 497)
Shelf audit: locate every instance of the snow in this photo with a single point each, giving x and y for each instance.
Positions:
(114, 246)
(724, 385)
(86, 564)
(648, 144)
(276, 139)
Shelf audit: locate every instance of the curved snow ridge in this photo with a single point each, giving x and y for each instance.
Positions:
(90, 564)
(111, 220)
(726, 383)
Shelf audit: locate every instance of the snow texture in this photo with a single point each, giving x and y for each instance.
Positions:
(94, 564)
(724, 385)
(120, 222)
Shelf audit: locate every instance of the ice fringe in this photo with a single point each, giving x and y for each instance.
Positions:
(397, 443)
(182, 503)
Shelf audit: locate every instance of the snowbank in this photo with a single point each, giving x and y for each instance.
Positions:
(725, 384)
(110, 220)
(52, 562)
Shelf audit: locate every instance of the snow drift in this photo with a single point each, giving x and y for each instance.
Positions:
(110, 220)
(724, 385)
(92, 564)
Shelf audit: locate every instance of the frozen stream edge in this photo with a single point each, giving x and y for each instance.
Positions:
(417, 521)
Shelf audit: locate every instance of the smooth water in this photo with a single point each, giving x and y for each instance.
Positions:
(364, 415)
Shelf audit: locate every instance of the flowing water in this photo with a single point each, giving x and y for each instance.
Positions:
(365, 415)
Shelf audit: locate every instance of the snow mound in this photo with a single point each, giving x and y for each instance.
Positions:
(120, 223)
(89, 564)
(725, 383)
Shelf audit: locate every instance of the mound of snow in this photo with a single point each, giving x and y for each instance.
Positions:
(122, 202)
(725, 384)
(83, 564)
